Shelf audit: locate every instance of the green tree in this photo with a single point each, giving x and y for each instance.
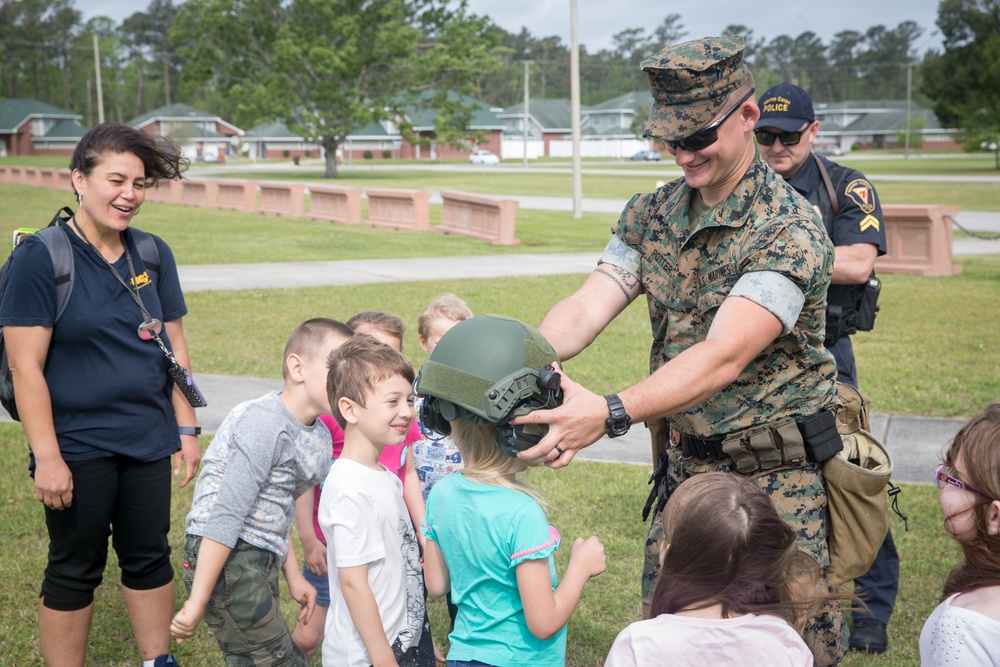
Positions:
(327, 68)
(962, 80)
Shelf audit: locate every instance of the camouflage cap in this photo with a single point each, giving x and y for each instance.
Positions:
(690, 84)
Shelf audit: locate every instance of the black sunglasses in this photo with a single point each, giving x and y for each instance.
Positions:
(765, 138)
(706, 136)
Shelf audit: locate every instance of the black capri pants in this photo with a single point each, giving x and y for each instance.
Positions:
(117, 496)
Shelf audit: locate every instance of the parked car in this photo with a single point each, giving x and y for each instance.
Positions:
(828, 150)
(648, 156)
(483, 156)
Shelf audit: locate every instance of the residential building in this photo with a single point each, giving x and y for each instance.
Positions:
(31, 127)
(202, 137)
(878, 124)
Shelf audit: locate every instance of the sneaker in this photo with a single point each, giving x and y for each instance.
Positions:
(869, 635)
(166, 660)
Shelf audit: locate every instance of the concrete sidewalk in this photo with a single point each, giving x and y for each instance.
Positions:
(915, 443)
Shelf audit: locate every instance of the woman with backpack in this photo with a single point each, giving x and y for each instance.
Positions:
(95, 392)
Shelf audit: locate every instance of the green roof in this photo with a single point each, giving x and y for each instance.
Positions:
(372, 129)
(66, 129)
(550, 114)
(632, 101)
(422, 118)
(273, 130)
(14, 111)
(874, 117)
(171, 111)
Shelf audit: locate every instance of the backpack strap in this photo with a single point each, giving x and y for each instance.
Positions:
(63, 267)
(148, 252)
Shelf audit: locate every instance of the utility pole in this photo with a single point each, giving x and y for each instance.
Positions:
(909, 82)
(100, 88)
(524, 120)
(574, 95)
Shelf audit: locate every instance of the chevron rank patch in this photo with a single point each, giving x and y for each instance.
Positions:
(869, 221)
(862, 193)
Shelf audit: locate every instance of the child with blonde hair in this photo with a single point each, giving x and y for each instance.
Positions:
(733, 587)
(489, 542)
(435, 455)
(965, 628)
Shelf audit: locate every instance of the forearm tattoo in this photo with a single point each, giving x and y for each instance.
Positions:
(625, 281)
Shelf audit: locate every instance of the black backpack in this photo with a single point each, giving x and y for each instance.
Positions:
(61, 252)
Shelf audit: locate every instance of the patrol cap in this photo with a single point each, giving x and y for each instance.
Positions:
(691, 83)
(786, 107)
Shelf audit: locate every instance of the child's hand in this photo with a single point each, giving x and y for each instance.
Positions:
(589, 554)
(303, 593)
(186, 621)
(315, 557)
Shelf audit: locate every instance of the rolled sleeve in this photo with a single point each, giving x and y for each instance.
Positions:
(618, 253)
(773, 291)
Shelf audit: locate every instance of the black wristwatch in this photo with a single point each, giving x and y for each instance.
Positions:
(189, 430)
(618, 422)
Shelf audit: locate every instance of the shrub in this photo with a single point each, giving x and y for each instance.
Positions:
(284, 153)
(367, 155)
(386, 153)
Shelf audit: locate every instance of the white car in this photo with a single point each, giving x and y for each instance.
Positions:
(483, 157)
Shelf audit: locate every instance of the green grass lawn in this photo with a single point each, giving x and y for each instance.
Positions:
(585, 499)
(934, 352)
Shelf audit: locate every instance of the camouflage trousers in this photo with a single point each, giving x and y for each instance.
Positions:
(244, 611)
(800, 498)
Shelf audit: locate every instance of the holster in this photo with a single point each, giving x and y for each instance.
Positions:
(835, 324)
(660, 491)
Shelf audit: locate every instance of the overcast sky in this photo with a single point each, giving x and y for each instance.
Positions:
(600, 20)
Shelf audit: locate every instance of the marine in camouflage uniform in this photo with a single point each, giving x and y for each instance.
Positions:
(690, 246)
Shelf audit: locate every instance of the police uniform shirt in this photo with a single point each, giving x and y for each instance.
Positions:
(860, 219)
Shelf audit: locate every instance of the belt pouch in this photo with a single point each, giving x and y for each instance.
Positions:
(792, 447)
(735, 449)
(822, 440)
(761, 439)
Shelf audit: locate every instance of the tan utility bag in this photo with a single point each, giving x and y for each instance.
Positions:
(855, 491)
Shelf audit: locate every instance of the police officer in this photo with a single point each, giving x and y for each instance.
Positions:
(853, 218)
(735, 267)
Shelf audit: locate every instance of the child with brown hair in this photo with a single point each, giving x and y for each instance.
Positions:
(965, 627)
(266, 453)
(396, 457)
(377, 613)
(733, 586)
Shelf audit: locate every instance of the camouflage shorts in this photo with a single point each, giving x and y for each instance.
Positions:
(244, 611)
(800, 498)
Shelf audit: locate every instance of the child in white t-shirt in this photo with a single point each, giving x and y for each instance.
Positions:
(376, 614)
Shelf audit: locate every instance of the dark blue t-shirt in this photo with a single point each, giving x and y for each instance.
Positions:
(110, 389)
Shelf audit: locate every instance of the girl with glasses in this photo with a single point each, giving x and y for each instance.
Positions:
(965, 627)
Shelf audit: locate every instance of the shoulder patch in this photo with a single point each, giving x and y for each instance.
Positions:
(869, 221)
(862, 193)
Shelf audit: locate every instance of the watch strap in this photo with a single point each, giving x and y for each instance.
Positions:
(189, 430)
